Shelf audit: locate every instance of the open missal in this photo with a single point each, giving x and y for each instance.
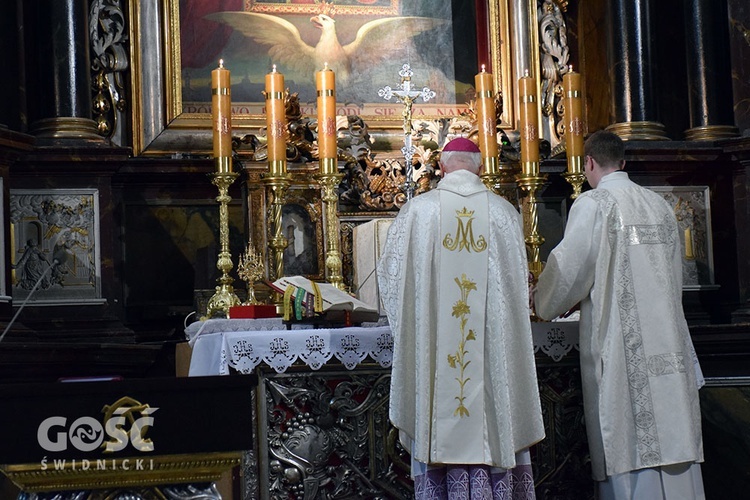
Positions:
(335, 302)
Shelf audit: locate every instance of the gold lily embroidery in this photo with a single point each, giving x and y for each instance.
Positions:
(464, 239)
(462, 311)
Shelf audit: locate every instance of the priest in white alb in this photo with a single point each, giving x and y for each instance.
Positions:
(453, 281)
(621, 258)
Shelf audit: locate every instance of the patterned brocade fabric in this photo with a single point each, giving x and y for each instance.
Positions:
(475, 482)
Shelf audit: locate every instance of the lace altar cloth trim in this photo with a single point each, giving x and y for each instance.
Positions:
(245, 343)
(555, 338)
(214, 353)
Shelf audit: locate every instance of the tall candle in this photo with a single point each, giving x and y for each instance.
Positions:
(221, 116)
(529, 126)
(276, 122)
(325, 81)
(574, 124)
(486, 120)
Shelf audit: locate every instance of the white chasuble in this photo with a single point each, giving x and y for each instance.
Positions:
(463, 379)
(459, 388)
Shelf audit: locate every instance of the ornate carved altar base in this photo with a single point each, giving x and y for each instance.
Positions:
(323, 400)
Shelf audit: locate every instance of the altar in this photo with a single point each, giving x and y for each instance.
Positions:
(322, 400)
(220, 345)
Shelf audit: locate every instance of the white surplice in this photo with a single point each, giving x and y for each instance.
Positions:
(454, 286)
(621, 258)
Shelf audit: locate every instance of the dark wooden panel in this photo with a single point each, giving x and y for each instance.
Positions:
(192, 415)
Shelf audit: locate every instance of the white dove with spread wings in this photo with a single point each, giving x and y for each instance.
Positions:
(374, 41)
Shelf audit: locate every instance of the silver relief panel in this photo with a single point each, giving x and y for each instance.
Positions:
(55, 246)
(691, 206)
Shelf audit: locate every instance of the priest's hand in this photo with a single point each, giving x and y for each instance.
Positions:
(573, 309)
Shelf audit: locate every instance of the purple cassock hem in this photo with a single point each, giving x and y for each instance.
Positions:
(475, 482)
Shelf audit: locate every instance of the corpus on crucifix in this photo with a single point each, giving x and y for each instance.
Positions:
(407, 95)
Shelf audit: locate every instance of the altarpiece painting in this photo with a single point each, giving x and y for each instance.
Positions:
(365, 42)
(181, 41)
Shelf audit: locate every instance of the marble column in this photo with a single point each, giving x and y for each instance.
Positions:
(59, 71)
(708, 71)
(630, 51)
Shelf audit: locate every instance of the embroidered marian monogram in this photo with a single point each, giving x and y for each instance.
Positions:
(464, 238)
(462, 311)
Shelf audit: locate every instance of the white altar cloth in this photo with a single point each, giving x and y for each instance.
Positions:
(243, 344)
(555, 338)
(238, 325)
(223, 344)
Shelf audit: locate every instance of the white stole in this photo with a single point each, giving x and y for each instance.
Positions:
(459, 427)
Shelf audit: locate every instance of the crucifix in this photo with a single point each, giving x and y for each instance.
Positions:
(406, 94)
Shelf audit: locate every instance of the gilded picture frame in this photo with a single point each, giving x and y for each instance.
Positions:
(162, 125)
(302, 208)
(369, 7)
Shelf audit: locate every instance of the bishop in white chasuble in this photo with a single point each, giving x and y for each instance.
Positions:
(453, 280)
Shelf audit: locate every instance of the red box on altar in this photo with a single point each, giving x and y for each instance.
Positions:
(253, 311)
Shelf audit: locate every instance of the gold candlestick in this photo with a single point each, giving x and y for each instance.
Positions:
(530, 209)
(502, 181)
(530, 180)
(224, 298)
(277, 180)
(575, 179)
(277, 184)
(328, 184)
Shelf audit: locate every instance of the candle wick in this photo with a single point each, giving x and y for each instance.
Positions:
(221, 63)
(526, 72)
(325, 65)
(570, 68)
(482, 68)
(273, 69)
